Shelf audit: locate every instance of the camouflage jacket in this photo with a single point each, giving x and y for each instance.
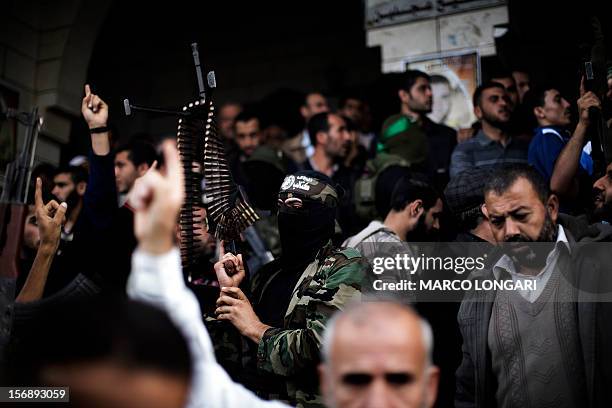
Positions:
(329, 283)
(284, 363)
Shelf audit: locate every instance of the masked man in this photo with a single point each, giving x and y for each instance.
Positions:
(294, 296)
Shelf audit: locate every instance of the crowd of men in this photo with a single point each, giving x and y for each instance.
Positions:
(103, 306)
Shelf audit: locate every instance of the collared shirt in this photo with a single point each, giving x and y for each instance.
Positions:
(482, 151)
(505, 264)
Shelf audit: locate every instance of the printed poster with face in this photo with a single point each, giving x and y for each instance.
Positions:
(454, 78)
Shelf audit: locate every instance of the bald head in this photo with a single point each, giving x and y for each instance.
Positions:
(378, 354)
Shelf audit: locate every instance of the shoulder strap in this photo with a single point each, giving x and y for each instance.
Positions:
(362, 235)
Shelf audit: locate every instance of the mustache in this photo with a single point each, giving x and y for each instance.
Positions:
(518, 238)
(597, 193)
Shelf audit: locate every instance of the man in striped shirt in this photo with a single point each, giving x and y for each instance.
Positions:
(492, 145)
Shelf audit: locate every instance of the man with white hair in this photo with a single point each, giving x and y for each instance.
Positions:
(378, 354)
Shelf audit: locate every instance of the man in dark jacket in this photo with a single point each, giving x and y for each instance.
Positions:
(416, 138)
(537, 341)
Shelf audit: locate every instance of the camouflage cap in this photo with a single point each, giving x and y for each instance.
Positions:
(309, 187)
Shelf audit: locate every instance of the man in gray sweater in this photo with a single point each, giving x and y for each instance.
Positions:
(535, 342)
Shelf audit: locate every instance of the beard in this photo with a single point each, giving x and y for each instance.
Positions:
(421, 108)
(495, 122)
(72, 201)
(340, 153)
(532, 256)
(421, 233)
(604, 212)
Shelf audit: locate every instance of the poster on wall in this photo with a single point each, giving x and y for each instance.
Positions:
(454, 78)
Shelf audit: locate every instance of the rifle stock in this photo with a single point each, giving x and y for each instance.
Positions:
(12, 218)
(13, 206)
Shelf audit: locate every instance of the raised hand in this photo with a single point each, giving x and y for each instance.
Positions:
(157, 198)
(50, 217)
(229, 269)
(94, 109)
(587, 100)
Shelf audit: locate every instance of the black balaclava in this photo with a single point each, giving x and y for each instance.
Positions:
(304, 232)
(305, 226)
